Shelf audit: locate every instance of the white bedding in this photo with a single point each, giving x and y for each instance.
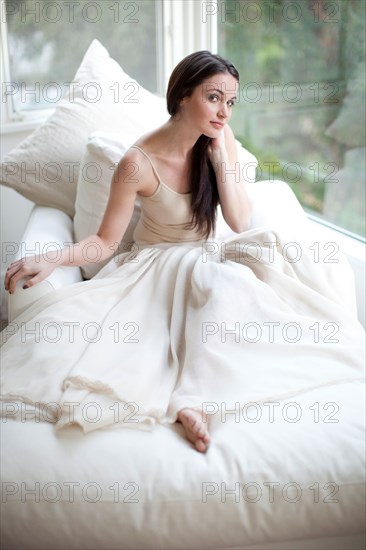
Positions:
(179, 492)
(321, 455)
(211, 326)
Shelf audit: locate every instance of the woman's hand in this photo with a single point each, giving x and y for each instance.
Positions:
(217, 150)
(234, 201)
(36, 268)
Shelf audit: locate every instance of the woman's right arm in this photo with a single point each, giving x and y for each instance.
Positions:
(124, 187)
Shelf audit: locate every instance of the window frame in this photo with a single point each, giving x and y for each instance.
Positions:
(172, 17)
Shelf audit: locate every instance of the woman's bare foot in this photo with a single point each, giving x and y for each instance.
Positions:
(195, 428)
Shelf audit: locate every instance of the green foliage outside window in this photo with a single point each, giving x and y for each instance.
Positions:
(46, 44)
(301, 107)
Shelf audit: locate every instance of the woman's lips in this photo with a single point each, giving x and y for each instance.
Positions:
(216, 124)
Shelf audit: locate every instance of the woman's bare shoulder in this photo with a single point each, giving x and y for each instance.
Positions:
(134, 161)
(151, 141)
(145, 142)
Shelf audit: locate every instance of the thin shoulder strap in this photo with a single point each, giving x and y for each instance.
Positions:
(149, 159)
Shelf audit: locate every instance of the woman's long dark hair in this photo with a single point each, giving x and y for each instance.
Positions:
(186, 76)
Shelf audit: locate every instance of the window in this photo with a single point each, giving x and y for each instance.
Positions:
(301, 108)
(47, 39)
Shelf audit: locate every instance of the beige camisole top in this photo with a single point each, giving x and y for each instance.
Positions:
(164, 215)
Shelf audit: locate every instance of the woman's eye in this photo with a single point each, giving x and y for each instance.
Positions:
(215, 98)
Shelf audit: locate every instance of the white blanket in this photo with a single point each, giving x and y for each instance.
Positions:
(255, 318)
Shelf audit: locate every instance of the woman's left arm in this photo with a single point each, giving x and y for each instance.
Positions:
(234, 200)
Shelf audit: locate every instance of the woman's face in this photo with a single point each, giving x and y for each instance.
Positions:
(209, 107)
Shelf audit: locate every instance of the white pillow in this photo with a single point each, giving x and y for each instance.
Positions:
(103, 152)
(53, 152)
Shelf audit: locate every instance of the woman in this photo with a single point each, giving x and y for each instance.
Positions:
(191, 153)
(192, 313)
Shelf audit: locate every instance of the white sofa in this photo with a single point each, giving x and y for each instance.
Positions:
(272, 484)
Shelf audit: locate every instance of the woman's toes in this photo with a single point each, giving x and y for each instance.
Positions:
(196, 431)
(201, 446)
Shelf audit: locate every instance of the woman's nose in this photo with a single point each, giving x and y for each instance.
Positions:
(223, 111)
